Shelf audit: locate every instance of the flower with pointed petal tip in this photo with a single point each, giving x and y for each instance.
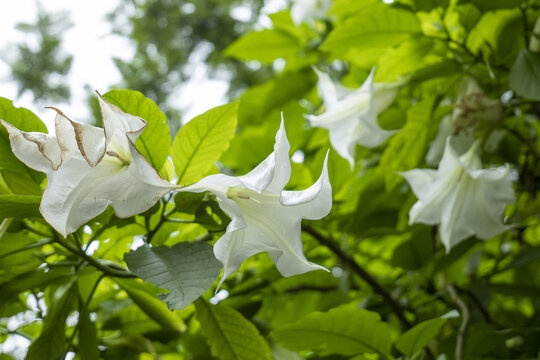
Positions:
(461, 196)
(264, 217)
(89, 168)
(351, 115)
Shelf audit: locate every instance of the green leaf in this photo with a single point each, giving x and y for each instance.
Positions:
(407, 148)
(155, 141)
(52, 344)
(88, 342)
(525, 75)
(230, 335)
(264, 46)
(200, 142)
(498, 36)
(363, 38)
(275, 94)
(408, 57)
(416, 251)
(24, 120)
(19, 206)
(415, 339)
(345, 330)
(485, 5)
(187, 270)
(150, 305)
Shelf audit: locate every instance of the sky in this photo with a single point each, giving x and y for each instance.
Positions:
(93, 46)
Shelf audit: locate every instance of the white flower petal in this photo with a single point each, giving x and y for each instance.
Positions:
(460, 196)
(263, 217)
(315, 202)
(352, 118)
(118, 125)
(137, 188)
(79, 139)
(275, 171)
(327, 89)
(39, 151)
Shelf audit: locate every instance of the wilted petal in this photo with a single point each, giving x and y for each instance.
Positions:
(79, 139)
(89, 168)
(39, 151)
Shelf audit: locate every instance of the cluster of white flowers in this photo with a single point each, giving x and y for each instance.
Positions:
(460, 196)
(89, 168)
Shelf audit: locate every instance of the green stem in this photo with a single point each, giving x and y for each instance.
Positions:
(38, 243)
(104, 268)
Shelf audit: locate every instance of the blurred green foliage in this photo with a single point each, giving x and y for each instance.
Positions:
(393, 292)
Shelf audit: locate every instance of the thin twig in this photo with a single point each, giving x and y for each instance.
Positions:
(358, 270)
(464, 320)
(104, 268)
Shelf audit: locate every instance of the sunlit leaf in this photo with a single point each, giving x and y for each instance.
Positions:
(201, 142)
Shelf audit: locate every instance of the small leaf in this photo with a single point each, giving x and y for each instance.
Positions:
(19, 205)
(187, 270)
(230, 335)
(525, 75)
(201, 142)
(415, 339)
(264, 46)
(345, 330)
(155, 141)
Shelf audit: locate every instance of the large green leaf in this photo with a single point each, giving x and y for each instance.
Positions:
(407, 149)
(264, 46)
(201, 142)
(19, 205)
(525, 75)
(24, 120)
(363, 38)
(150, 305)
(230, 335)
(345, 330)
(52, 344)
(187, 270)
(415, 339)
(155, 141)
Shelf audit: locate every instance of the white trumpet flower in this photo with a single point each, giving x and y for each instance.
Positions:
(264, 217)
(351, 115)
(89, 168)
(461, 196)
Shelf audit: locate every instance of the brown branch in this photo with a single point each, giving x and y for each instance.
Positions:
(358, 270)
